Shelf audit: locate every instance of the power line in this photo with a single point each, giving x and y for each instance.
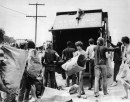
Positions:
(13, 10)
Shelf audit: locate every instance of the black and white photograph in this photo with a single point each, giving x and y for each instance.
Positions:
(64, 50)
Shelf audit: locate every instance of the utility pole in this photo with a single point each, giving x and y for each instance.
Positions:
(36, 16)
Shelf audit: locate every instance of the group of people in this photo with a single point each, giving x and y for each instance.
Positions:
(97, 69)
(99, 64)
(40, 69)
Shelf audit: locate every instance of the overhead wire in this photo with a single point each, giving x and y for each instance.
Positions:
(12, 10)
(17, 11)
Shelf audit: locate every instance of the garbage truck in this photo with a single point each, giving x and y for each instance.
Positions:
(80, 25)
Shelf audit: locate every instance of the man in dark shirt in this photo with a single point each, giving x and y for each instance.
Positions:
(117, 60)
(67, 54)
(100, 61)
(49, 59)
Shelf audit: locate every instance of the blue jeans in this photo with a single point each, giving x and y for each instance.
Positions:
(101, 70)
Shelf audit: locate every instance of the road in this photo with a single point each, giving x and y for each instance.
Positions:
(115, 94)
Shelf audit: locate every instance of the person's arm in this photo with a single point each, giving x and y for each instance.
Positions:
(43, 75)
(74, 52)
(93, 53)
(42, 60)
(57, 56)
(87, 53)
(63, 56)
(111, 44)
(111, 49)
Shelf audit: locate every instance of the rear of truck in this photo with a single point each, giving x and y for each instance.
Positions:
(79, 26)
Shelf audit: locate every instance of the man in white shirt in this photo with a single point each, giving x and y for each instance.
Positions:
(90, 58)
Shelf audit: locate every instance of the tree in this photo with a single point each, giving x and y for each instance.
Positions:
(2, 33)
(8, 39)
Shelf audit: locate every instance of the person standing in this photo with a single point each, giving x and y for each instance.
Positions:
(67, 54)
(100, 61)
(124, 72)
(117, 61)
(80, 51)
(31, 74)
(90, 58)
(48, 60)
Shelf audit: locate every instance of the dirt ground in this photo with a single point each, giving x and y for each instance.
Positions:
(115, 94)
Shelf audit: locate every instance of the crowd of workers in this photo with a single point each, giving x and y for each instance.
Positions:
(96, 55)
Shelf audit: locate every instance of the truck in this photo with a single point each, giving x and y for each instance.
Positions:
(80, 25)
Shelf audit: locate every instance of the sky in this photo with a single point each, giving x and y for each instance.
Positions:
(17, 25)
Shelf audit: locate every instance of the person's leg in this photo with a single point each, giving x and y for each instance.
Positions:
(104, 78)
(116, 70)
(74, 79)
(52, 79)
(91, 74)
(100, 83)
(68, 81)
(28, 89)
(126, 91)
(114, 76)
(97, 76)
(80, 84)
(117, 67)
(46, 77)
(63, 73)
(77, 78)
(33, 92)
(22, 89)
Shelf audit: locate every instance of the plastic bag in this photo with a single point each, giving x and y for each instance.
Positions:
(54, 95)
(60, 81)
(71, 66)
(74, 89)
(15, 60)
(34, 65)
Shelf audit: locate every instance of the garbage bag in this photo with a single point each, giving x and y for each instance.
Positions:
(123, 75)
(74, 89)
(72, 67)
(15, 60)
(60, 81)
(54, 95)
